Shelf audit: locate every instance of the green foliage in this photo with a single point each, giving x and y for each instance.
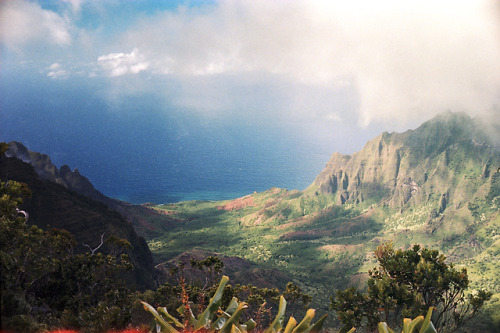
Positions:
(44, 284)
(195, 289)
(264, 244)
(11, 196)
(329, 245)
(404, 285)
(305, 235)
(214, 319)
(354, 309)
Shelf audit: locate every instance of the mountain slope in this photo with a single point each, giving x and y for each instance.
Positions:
(437, 185)
(439, 158)
(52, 205)
(71, 180)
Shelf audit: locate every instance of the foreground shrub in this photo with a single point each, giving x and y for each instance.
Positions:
(214, 319)
(406, 284)
(44, 284)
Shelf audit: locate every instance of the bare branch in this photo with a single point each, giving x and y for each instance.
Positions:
(97, 248)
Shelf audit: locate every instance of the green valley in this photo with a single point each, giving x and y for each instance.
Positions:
(437, 185)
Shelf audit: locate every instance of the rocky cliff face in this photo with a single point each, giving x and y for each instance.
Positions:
(56, 204)
(71, 180)
(409, 168)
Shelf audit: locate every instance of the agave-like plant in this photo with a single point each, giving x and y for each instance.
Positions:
(214, 320)
(424, 325)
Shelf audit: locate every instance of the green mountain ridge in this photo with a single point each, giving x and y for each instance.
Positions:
(407, 168)
(437, 185)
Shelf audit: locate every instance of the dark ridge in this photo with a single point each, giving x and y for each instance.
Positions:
(54, 206)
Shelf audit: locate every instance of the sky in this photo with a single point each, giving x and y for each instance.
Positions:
(330, 73)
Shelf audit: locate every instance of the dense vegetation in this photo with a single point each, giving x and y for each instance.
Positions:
(211, 318)
(405, 284)
(55, 205)
(44, 284)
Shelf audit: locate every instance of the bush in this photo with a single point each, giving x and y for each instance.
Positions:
(406, 284)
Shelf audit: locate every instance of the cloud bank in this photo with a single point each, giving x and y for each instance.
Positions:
(393, 62)
(23, 23)
(400, 58)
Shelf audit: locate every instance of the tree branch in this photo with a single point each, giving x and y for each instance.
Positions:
(97, 248)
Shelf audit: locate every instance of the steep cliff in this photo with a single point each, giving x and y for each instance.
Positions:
(447, 158)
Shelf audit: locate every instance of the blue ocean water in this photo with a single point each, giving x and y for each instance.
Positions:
(138, 162)
(201, 163)
(139, 152)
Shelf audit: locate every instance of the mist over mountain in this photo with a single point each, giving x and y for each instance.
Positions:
(203, 127)
(412, 166)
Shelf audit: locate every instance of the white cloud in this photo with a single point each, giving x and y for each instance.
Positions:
(57, 72)
(75, 5)
(117, 64)
(23, 23)
(395, 62)
(406, 60)
(55, 66)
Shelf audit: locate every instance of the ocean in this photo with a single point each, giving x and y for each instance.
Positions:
(141, 156)
(156, 167)
(139, 149)
(201, 163)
